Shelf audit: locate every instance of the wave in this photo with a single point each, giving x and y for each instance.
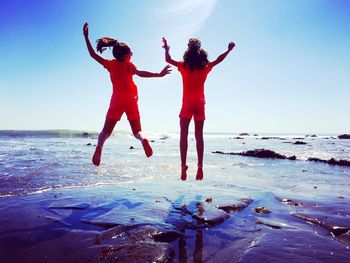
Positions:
(47, 133)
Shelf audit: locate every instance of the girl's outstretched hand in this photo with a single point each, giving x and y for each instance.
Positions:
(166, 70)
(86, 29)
(165, 44)
(231, 45)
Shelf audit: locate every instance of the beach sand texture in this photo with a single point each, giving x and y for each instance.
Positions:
(55, 206)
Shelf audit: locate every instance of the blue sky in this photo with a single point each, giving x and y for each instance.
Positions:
(289, 71)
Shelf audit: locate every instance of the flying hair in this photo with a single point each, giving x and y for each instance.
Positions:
(120, 49)
(104, 42)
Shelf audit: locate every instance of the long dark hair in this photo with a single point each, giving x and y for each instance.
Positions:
(195, 57)
(120, 49)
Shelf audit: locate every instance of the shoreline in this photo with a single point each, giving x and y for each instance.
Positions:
(149, 220)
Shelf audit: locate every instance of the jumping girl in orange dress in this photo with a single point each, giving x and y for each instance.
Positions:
(194, 70)
(124, 97)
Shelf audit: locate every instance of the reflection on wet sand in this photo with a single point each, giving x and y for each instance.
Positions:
(198, 249)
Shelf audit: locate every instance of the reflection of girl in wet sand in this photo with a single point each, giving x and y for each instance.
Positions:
(194, 70)
(124, 98)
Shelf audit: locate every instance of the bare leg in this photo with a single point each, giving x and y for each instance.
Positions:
(103, 136)
(136, 130)
(184, 123)
(200, 147)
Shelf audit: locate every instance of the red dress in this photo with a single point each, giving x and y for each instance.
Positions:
(124, 97)
(193, 98)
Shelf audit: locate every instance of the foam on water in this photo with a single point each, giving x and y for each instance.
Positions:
(36, 161)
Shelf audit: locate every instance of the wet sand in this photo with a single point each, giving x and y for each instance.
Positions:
(172, 221)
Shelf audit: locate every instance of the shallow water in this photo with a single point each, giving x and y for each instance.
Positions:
(39, 173)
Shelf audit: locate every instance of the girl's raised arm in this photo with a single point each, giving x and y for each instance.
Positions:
(89, 46)
(168, 58)
(220, 58)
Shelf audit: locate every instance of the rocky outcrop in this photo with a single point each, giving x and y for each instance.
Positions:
(262, 210)
(344, 136)
(299, 143)
(331, 161)
(260, 153)
(272, 138)
(236, 207)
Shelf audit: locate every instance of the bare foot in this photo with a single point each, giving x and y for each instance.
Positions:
(199, 175)
(147, 148)
(184, 173)
(96, 158)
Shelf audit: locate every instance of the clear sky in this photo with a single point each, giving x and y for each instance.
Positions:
(289, 71)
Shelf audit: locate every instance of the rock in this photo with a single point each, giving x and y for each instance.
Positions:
(210, 216)
(244, 134)
(344, 136)
(264, 153)
(272, 138)
(299, 143)
(237, 138)
(131, 148)
(331, 161)
(89, 144)
(255, 134)
(262, 210)
(164, 137)
(236, 207)
(273, 223)
(74, 206)
(260, 153)
(291, 202)
(136, 243)
(322, 221)
(209, 199)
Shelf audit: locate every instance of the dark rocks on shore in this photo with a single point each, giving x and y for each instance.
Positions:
(344, 136)
(260, 153)
(236, 207)
(331, 161)
(287, 201)
(336, 221)
(268, 154)
(142, 243)
(262, 210)
(324, 222)
(244, 134)
(272, 138)
(237, 138)
(131, 148)
(299, 143)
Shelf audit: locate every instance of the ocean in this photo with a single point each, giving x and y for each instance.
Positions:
(308, 201)
(35, 161)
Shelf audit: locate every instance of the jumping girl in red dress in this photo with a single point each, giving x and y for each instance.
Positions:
(194, 70)
(124, 97)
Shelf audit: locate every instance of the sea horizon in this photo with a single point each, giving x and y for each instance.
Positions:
(63, 132)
